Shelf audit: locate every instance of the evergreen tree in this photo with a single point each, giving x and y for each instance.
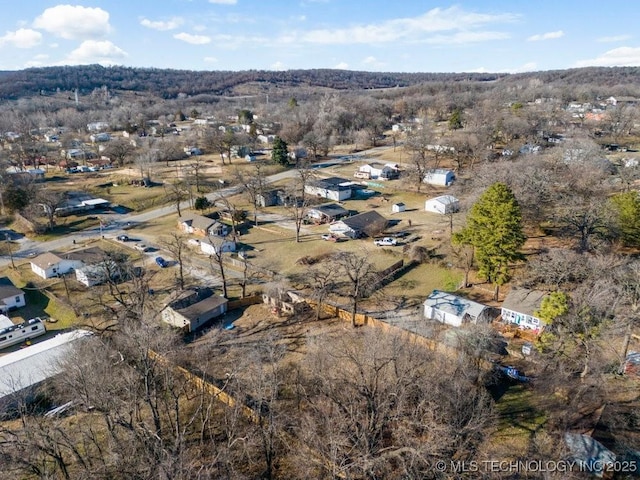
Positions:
(627, 209)
(455, 120)
(280, 152)
(494, 229)
(202, 203)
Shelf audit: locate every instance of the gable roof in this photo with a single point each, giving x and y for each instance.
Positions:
(197, 309)
(8, 289)
(332, 183)
(331, 209)
(87, 256)
(444, 199)
(45, 260)
(453, 304)
(523, 300)
(362, 220)
(198, 221)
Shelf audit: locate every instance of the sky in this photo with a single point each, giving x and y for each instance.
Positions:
(368, 35)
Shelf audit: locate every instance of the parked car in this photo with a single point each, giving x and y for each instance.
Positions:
(162, 263)
(385, 242)
(142, 247)
(329, 238)
(123, 238)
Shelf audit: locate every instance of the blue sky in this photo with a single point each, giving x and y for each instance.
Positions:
(371, 35)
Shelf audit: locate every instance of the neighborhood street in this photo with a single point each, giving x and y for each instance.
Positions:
(118, 223)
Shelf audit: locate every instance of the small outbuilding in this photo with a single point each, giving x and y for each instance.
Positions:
(398, 207)
(443, 204)
(454, 310)
(439, 176)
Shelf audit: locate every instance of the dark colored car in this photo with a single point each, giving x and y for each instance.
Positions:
(162, 263)
(123, 238)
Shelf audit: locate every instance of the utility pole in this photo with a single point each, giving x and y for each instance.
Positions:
(10, 248)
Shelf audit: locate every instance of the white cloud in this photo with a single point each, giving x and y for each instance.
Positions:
(38, 61)
(459, 38)
(416, 29)
(224, 2)
(546, 36)
(170, 24)
(618, 57)
(74, 22)
(372, 61)
(21, 38)
(342, 66)
(192, 39)
(210, 59)
(278, 66)
(615, 38)
(93, 51)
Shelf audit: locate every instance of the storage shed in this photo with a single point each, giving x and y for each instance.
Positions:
(398, 207)
(443, 204)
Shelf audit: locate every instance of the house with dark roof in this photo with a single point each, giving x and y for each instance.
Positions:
(455, 310)
(202, 226)
(360, 225)
(519, 306)
(194, 308)
(327, 213)
(11, 297)
(332, 188)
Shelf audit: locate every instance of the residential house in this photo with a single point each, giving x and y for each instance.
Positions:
(443, 204)
(519, 306)
(100, 137)
(51, 264)
(212, 246)
(193, 309)
(455, 310)
(11, 297)
(327, 213)
(23, 370)
(379, 171)
(97, 126)
(332, 188)
(99, 272)
(202, 226)
(439, 176)
(360, 225)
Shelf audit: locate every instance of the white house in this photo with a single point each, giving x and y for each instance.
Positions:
(11, 297)
(333, 188)
(398, 207)
(439, 176)
(359, 225)
(213, 246)
(48, 265)
(443, 204)
(519, 307)
(380, 171)
(454, 310)
(97, 126)
(51, 264)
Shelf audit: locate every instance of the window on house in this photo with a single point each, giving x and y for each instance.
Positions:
(17, 299)
(34, 328)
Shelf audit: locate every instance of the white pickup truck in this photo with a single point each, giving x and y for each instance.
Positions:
(386, 242)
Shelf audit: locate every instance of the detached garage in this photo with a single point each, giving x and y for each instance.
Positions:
(443, 205)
